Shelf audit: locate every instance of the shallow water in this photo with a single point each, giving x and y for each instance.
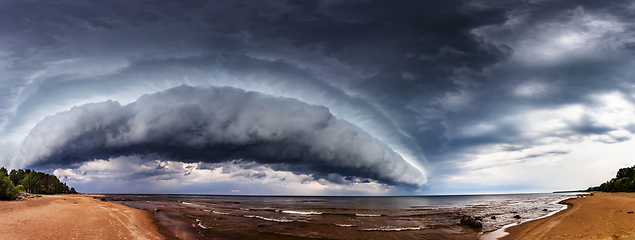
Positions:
(283, 217)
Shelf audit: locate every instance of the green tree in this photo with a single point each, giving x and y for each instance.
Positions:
(625, 173)
(624, 181)
(32, 182)
(4, 170)
(53, 184)
(17, 176)
(618, 186)
(37, 182)
(7, 190)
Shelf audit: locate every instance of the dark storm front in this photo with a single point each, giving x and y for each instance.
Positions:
(420, 217)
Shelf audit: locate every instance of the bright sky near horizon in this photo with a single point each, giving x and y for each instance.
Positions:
(318, 97)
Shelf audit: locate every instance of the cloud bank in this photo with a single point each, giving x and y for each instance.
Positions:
(213, 125)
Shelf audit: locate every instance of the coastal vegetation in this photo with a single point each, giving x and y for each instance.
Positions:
(7, 190)
(29, 181)
(624, 181)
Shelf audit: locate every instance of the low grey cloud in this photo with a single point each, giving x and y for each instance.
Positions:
(216, 125)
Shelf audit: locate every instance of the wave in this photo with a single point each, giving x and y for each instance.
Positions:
(200, 224)
(221, 213)
(261, 209)
(268, 219)
(302, 213)
(367, 215)
(344, 225)
(417, 215)
(392, 228)
(499, 233)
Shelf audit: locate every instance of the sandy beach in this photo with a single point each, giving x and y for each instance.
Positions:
(603, 216)
(76, 217)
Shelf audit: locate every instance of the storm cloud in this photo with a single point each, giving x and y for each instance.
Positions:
(213, 125)
(474, 92)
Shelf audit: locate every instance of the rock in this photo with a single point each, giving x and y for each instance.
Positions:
(493, 217)
(514, 212)
(629, 212)
(545, 210)
(478, 218)
(157, 210)
(103, 199)
(517, 216)
(470, 221)
(477, 224)
(236, 202)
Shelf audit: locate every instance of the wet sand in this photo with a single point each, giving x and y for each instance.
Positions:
(603, 216)
(77, 217)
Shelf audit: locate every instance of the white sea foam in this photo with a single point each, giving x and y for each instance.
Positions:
(367, 215)
(499, 233)
(200, 224)
(221, 213)
(206, 210)
(344, 225)
(268, 219)
(392, 228)
(302, 213)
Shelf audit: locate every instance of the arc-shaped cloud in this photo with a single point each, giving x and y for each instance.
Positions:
(195, 124)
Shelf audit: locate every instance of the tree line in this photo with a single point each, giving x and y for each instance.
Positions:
(624, 181)
(30, 181)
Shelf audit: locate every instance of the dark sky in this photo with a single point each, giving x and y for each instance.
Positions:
(318, 97)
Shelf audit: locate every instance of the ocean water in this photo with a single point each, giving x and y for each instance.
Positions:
(290, 217)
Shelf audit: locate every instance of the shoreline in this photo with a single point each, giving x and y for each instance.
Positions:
(78, 217)
(108, 216)
(177, 222)
(166, 215)
(501, 233)
(169, 231)
(601, 216)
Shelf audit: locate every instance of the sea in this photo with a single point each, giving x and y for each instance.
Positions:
(382, 218)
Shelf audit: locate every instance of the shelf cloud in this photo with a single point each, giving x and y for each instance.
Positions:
(213, 125)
